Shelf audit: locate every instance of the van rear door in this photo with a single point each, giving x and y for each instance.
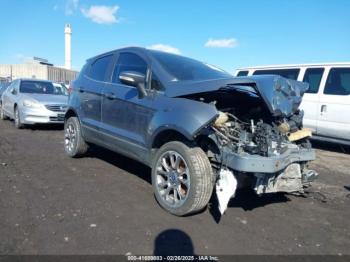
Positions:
(334, 106)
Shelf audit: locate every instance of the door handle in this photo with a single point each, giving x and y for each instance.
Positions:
(110, 96)
(323, 109)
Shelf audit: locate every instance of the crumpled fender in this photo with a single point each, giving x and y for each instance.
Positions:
(183, 115)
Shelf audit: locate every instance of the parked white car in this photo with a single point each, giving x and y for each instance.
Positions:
(327, 102)
(34, 101)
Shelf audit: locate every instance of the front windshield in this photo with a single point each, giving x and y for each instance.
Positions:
(40, 87)
(183, 68)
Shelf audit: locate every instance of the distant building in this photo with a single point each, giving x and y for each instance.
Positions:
(37, 68)
(41, 68)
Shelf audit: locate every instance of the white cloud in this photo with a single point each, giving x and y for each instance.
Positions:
(71, 6)
(165, 48)
(222, 43)
(101, 14)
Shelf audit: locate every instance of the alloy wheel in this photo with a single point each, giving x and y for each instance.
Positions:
(70, 137)
(172, 178)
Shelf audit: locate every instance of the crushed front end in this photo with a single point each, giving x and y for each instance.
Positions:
(258, 134)
(271, 153)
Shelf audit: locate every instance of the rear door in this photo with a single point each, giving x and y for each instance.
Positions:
(334, 106)
(310, 102)
(90, 92)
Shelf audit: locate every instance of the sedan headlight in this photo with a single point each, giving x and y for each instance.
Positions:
(31, 103)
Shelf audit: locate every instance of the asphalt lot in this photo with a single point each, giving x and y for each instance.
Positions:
(103, 204)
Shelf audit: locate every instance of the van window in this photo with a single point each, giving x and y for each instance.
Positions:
(99, 68)
(338, 82)
(313, 77)
(129, 62)
(287, 73)
(242, 73)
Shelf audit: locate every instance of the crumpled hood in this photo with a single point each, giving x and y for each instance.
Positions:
(282, 96)
(49, 99)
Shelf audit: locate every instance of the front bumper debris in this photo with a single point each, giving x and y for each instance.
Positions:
(245, 162)
(291, 179)
(226, 186)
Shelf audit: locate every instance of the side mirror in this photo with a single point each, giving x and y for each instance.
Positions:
(13, 91)
(135, 79)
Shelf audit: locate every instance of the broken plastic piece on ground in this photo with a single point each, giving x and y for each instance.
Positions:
(225, 188)
(309, 176)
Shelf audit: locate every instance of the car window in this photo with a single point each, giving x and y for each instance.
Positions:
(129, 62)
(287, 73)
(99, 68)
(85, 70)
(184, 68)
(13, 86)
(155, 83)
(39, 87)
(60, 89)
(242, 73)
(338, 82)
(313, 77)
(3, 87)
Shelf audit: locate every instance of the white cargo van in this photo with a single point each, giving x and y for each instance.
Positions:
(327, 102)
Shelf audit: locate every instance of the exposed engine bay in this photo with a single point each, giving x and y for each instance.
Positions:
(259, 137)
(245, 125)
(252, 142)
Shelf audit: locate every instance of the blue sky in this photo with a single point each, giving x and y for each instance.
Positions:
(229, 34)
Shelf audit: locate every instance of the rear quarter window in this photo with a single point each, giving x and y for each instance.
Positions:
(338, 82)
(99, 68)
(85, 70)
(287, 73)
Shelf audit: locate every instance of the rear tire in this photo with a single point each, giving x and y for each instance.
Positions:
(182, 178)
(18, 123)
(74, 143)
(2, 113)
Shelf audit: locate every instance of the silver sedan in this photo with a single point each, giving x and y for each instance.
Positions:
(32, 101)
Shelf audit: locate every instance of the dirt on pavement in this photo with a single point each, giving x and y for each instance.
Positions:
(103, 204)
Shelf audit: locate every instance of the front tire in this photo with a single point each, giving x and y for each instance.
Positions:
(182, 178)
(18, 122)
(74, 143)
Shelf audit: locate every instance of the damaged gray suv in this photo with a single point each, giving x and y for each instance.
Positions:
(196, 126)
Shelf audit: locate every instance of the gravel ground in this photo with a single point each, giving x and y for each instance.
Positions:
(103, 204)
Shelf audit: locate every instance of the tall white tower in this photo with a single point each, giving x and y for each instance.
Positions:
(67, 46)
